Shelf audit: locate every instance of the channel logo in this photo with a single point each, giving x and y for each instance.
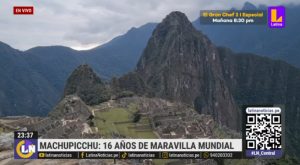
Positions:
(25, 149)
(276, 17)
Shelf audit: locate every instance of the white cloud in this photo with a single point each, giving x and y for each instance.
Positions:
(84, 24)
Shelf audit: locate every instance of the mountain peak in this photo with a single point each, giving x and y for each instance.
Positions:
(177, 26)
(3, 44)
(52, 49)
(70, 106)
(5, 47)
(176, 18)
(181, 64)
(83, 73)
(249, 6)
(85, 83)
(174, 34)
(84, 67)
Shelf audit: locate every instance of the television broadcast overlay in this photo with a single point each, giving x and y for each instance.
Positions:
(275, 16)
(30, 148)
(156, 82)
(263, 138)
(242, 17)
(263, 132)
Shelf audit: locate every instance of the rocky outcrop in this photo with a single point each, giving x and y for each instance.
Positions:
(6, 141)
(70, 108)
(129, 82)
(255, 80)
(180, 63)
(69, 119)
(85, 83)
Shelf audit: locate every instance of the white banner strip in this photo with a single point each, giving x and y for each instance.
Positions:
(263, 110)
(140, 145)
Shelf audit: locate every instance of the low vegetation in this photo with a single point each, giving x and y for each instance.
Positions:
(120, 122)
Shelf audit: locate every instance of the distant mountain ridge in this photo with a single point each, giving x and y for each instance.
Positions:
(32, 81)
(22, 88)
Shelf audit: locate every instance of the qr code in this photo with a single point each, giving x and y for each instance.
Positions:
(263, 131)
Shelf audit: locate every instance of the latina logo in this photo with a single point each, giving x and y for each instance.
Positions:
(276, 17)
(25, 149)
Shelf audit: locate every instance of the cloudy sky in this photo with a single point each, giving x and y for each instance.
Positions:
(83, 24)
